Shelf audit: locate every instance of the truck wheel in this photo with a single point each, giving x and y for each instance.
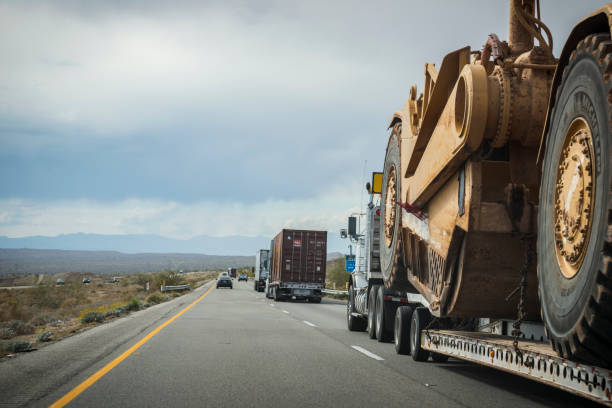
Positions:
(391, 258)
(276, 298)
(353, 323)
(372, 311)
(383, 334)
(315, 300)
(575, 213)
(403, 317)
(420, 319)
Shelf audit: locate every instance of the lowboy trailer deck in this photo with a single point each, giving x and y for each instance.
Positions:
(536, 361)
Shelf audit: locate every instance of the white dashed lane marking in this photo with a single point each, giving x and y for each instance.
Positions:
(368, 353)
(310, 324)
(284, 311)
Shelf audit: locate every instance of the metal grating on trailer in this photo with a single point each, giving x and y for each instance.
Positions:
(539, 361)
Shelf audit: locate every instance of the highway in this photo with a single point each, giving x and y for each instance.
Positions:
(237, 348)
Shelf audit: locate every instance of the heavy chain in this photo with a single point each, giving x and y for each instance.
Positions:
(528, 241)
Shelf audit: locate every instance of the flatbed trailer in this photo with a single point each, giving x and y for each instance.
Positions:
(539, 362)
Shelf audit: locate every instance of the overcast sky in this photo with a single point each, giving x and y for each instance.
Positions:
(213, 117)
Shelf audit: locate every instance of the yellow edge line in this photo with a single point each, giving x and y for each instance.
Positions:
(100, 373)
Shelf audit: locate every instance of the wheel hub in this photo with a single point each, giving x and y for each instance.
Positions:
(574, 192)
(390, 206)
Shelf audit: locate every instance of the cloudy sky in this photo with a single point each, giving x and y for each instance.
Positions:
(213, 117)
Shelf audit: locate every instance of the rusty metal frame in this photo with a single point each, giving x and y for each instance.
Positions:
(539, 361)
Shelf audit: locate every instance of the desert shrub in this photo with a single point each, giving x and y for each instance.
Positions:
(336, 273)
(155, 298)
(112, 313)
(7, 333)
(15, 346)
(170, 277)
(174, 295)
(133, 304)
(91, 317)
(46, 336)
(146, 305)
(18, 327)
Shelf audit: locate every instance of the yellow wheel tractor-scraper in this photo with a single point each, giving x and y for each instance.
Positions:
(497, 187)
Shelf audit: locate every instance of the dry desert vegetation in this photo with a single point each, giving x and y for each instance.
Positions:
(47, 310)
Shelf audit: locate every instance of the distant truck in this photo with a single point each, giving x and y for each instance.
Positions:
(231, 272)
(262, 269)
(297, 265)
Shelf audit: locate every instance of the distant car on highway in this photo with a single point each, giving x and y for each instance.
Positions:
(224, 281)
(60, 281)
(86, 280)
(243, 277)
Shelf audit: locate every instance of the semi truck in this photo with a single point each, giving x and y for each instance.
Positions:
(231, 272)
(262, 269)
(366, 288)
(495, 207)
(297, 265)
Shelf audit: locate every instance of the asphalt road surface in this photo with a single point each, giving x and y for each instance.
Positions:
(237, 348)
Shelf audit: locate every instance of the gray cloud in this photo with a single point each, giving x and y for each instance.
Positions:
(193, 101)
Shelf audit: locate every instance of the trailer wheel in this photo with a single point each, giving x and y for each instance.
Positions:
(383, 320)
(420, 319)
(403, 318)
(372, 311)
(353, 323)
(391, 256)
(575, 215)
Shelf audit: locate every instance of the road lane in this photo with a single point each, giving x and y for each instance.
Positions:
(468, 384)
(232, 348)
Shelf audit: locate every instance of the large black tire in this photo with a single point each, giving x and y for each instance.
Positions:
(256, 286)
(372, 311)
(420, 319)
(353, 323)
(391, 257)
(403, 317)
(384, 330)
(576, 304)
(275, 294)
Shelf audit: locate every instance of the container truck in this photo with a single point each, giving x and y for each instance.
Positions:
(297, 265)
(262, 269)
(496, 204)
(231, 272)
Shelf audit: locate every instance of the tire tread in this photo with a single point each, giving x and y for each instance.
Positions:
(592, 338)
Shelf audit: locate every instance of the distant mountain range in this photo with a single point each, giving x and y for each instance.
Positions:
(134, 244)
(119, 254)
(52, 261)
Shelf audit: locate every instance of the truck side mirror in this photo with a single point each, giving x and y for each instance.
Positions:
(352, 227)
(343, 234)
